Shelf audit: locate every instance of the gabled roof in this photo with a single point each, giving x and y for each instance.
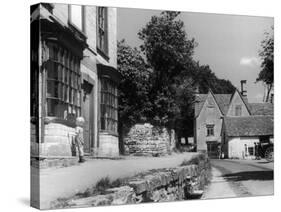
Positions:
(243, 98)
(222, 100)
(248, 126)
(261, 108)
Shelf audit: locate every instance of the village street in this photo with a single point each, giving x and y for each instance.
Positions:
(240, 178)
(65, 182)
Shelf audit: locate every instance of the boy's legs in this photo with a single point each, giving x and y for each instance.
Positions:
(81, 153)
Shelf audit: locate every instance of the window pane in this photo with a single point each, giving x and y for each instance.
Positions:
(76, 15)
(51, 105)
(52, 89)
(66, 76)
(52, 72)
(108, 105)
(101, 42)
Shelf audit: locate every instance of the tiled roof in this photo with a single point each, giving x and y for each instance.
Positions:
(223, 101)
(249, 125)
(261, 108)
(199, 102)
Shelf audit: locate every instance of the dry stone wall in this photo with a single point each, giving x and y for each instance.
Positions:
(160, 185)
(146, 140)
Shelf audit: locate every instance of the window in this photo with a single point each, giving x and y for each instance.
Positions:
(210, 103)
(251, 151)
(238, 110)
(76, 16)
(210, 130)
(108, 108)
(102, 29)
(63, 83)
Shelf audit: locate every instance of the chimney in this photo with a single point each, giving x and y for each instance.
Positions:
(243, 92)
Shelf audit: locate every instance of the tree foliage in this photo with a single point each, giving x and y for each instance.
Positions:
(160, 88)
(168, 51)
(134, 85)
(266, 53)
(267, 57)
(206, 79)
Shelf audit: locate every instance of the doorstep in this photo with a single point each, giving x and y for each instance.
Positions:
(65, 161)
(53, 162)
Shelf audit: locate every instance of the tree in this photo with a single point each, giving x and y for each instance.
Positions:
(206, 79)
(168, 52)
(185, 102)
(160, 88)
(133, 88)
(266, 53)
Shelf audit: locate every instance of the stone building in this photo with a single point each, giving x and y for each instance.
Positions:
(228, 123)
(73, 73)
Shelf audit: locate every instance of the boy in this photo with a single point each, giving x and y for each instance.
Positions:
(79, 140)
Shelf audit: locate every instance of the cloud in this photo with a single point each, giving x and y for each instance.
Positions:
(250, 61)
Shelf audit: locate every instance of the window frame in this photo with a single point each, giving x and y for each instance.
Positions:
(71, 22)
(102, 27)
(65, 67)
(238, 110)
(210, 130)
(251, 151)
(108, 102)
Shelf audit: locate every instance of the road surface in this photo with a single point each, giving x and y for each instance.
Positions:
(240, 178)
(65, 182)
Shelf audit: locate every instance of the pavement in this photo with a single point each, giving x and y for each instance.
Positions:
(66, 182)
(240, 178)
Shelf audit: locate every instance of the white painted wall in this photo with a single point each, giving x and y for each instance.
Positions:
(236, 147)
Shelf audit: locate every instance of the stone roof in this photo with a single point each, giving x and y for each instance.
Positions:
(223, 101)
(248, 126)
(261, 108)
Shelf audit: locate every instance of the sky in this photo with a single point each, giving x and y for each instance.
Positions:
(229, 44)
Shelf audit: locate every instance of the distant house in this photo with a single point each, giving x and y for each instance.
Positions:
(228, 123)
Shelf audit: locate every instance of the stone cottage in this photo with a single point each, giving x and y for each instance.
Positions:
(228, 123)
(73, 73)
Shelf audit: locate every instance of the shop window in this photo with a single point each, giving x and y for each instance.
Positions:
(210, 130)
(238, 110)
(108, 106)
(63, 83)
(102, 29)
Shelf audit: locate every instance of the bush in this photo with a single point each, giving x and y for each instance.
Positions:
(102, 185)
(195, 160)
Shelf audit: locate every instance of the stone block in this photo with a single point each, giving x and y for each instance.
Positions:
(139, 186)
(123, 195)
(98, 200)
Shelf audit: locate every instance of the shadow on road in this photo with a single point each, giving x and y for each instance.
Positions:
(264, 162)
(253, 175)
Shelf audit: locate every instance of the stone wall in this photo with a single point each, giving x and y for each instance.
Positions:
(161, 185)
(58, 140)
(108, 146)
(146, 140)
